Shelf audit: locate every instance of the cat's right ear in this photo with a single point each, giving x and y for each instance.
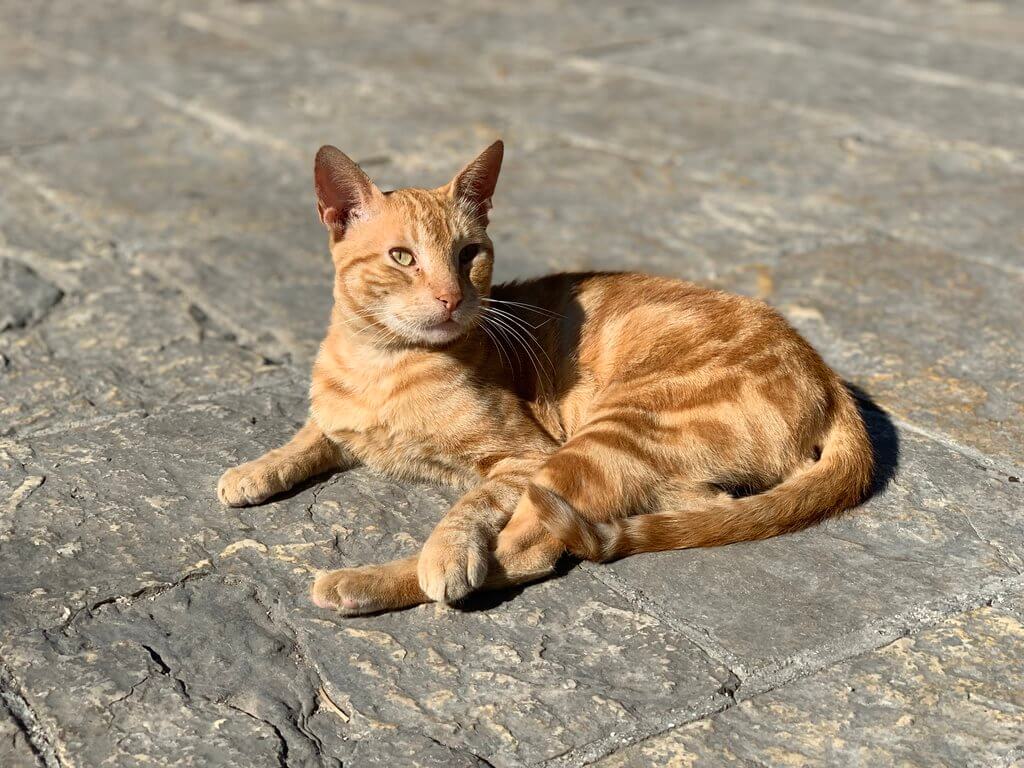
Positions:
(343, 191)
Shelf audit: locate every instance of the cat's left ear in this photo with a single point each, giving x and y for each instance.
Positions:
(476, 182)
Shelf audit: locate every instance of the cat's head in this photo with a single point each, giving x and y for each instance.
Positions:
(416, 262)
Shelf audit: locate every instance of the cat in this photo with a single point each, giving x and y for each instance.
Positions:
(597, 414)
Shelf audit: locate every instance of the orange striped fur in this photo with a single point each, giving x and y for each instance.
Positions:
(603, 414)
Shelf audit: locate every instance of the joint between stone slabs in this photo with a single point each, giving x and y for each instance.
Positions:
(773, 676)
(185, 407)
(39, 740)
(700, 637)
(707, 706)
(983, 460)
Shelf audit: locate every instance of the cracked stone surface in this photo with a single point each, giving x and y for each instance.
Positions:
(948, 695)
(164, 285)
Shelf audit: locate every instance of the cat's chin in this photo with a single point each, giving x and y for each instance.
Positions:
(440, 334)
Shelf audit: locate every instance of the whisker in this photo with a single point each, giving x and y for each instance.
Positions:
(517, 334)
(519, 320)
(524, 305)
(499, 331)
(523, 326)
(497, 345)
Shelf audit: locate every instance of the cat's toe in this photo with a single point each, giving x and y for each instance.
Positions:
(229, 490)
(448, 571)
(246, 485)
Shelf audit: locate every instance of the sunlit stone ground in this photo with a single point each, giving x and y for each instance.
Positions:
(164, 284)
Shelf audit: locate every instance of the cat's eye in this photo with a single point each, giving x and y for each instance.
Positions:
(469, 253)
(402, 256)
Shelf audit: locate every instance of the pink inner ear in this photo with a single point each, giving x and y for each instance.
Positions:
(331, 217)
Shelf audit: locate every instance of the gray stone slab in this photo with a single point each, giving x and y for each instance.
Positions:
(48, 99)
(285, 99)
(107, 36)
(197, 676)
(152, 349)
(451, 39)
(122, 491)
(941, 527)
(757, 69)
(276, 289)
(844, 183)
(612, 111)
(564, 207)
(948, 696)
(175, 180)
(31, 226)
(25, 298)
(931, 336)
(911, 49)
(133, 584)
(116, 340)
(996, 25)
(240, 670)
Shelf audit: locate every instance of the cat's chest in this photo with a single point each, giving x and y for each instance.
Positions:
(414, 431)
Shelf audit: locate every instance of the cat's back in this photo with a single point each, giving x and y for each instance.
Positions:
(611, 321)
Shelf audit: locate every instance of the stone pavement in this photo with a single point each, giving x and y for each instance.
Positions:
(164, 283)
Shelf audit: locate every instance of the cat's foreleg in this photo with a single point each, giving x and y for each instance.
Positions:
(456, 557)
(524, 552)
(307, 454)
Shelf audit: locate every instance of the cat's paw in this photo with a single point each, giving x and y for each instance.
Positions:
(453, 563)
(349, 591)
(250, 483)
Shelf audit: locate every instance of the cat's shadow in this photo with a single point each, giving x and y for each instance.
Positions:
(885, 440)
(492, 598)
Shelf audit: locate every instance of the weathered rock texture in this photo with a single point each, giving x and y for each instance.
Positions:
(164, 283)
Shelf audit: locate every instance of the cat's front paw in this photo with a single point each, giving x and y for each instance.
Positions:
(349, 591)
(250, 483)
(453, 563)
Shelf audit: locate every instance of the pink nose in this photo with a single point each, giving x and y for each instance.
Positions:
(450, 299)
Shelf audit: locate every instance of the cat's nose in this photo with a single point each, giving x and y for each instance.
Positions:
(450, 299)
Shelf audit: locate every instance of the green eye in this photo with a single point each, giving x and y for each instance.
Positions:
(401, 256)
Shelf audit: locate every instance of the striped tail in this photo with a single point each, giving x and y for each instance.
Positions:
(840, 479)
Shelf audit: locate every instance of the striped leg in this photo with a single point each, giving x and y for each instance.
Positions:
(524, 552)
(307, 454)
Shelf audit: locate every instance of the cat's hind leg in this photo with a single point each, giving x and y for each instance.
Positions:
(307, 454)
(607, 471)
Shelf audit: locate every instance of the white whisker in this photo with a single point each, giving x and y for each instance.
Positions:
(524, 338)
(523, 325)
(531, 307)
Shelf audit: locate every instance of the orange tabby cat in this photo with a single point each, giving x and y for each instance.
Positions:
(603, 414)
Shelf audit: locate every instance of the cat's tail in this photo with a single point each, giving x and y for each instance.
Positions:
(838, 480)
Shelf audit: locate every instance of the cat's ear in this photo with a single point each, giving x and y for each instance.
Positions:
(343, 191)
(476, 182)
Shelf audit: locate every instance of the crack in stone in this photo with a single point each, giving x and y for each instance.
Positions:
(39, 740)
(127, 600)
(282, 742)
